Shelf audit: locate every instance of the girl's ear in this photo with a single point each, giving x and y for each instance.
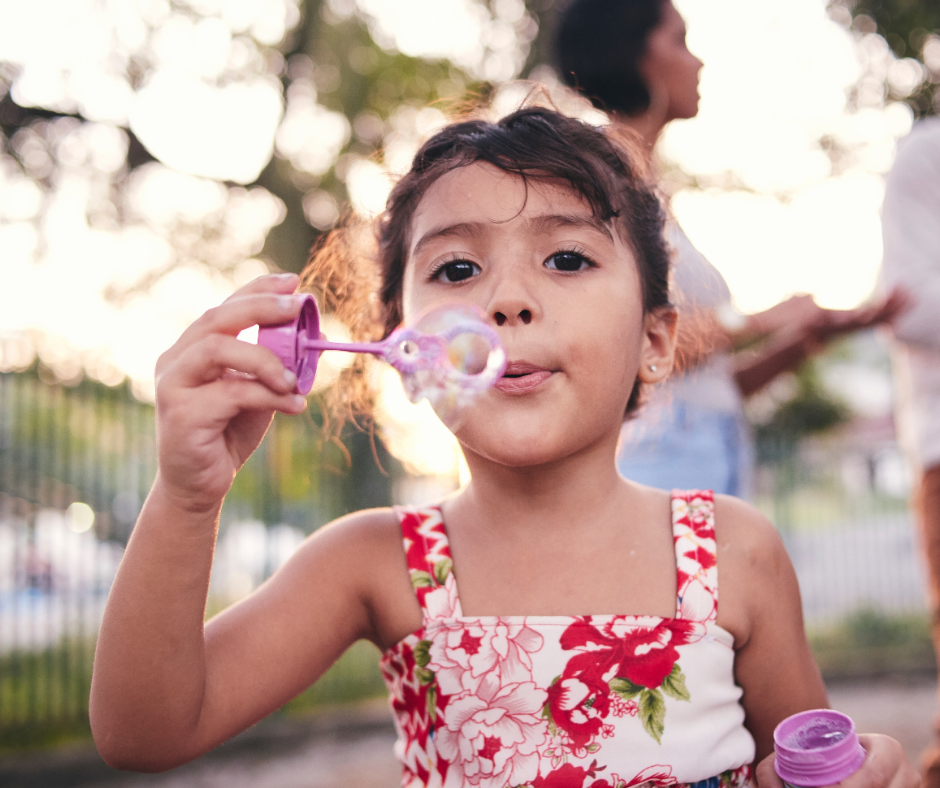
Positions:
(657, 355)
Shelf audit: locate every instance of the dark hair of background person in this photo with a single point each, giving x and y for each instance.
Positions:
(598, 47)
(533, 143)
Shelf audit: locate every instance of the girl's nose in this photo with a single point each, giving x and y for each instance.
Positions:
(513, 295)
(513, 316)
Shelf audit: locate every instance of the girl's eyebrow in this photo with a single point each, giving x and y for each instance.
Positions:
(547, 222)
(536, 224)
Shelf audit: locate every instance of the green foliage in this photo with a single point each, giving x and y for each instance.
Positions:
(810, 411)
(905, 25)
(870, 643)
(44, 696)
(60, 444)
(91, 443)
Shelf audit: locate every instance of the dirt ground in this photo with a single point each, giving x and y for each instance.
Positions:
(354, 749)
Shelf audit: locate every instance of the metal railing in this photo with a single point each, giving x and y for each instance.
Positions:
(75, 464)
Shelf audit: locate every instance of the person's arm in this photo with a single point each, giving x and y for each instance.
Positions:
(760, 605)
(911, 230)
(703, 332)
(166, 688)
(789, 348)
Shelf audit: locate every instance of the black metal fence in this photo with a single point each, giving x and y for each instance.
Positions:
(75, 464)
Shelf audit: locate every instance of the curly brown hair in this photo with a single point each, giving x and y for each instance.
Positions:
(357, 275)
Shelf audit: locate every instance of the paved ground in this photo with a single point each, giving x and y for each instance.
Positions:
(355, 750)
(900, 707)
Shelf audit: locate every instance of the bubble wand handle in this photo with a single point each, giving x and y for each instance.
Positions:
(450, 356)
(375, 348)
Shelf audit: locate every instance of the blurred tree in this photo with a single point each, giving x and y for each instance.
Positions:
(912, 30)
(811, 410)
(348, 91)
(352, 101)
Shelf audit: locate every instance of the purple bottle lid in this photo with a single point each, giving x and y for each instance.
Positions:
(816, 748)
(287, 342)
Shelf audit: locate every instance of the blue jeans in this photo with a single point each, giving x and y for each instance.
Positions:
(681, 446)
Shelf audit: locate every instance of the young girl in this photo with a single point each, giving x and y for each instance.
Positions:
(586, 645)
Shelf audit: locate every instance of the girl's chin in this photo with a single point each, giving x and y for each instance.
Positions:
(522, 449)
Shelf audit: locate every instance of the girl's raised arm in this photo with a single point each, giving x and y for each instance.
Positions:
(166, 688)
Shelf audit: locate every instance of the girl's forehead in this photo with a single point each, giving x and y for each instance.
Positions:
(483, 195)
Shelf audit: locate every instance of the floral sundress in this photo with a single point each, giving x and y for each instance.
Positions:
(594, 701)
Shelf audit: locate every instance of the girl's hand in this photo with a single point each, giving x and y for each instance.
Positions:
(886, 766)
(216, 395)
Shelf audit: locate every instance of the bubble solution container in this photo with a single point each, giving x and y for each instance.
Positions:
(816, 748)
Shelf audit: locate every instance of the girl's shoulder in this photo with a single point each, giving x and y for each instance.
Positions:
(755, 573)
(742, 528)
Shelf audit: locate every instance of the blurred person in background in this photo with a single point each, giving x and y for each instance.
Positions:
(629, 57)
(911, 227)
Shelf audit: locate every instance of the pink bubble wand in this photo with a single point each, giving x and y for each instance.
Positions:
(449, 356)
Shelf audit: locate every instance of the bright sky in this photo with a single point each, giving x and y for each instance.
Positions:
(775, 80)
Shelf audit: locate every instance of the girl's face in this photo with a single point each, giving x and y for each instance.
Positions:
(563, 292)
(670, 70)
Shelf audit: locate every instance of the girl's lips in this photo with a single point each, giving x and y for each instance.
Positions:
(521, 377)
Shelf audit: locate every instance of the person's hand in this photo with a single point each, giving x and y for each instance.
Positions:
(885, 766)
(835, 322)
(795, 312)
(217, 395)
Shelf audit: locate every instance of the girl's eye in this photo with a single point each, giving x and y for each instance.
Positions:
(567, 261)
(456, 271)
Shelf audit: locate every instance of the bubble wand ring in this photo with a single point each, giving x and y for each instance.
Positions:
(449, 356)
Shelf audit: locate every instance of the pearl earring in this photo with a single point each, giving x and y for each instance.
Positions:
(652, 367)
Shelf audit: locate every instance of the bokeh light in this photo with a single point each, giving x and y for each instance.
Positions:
(104, 260)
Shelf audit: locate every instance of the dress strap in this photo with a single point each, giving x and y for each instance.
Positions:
(693, 530)
(430, 566)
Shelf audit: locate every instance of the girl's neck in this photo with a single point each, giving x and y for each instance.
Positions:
(551, 497)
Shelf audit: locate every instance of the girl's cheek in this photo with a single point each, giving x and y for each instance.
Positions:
(407, 297)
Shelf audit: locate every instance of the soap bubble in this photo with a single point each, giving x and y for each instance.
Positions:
(448, 356)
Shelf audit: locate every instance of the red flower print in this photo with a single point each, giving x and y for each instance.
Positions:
(659, 775)
(466, 652)
(639, 648)
(568, 776)
(623, 708)
(578, 705)
(491, 739)
(649, 652)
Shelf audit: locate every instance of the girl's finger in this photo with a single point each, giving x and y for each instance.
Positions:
(233, 316)
(270, 283)
(230, 396)
(217, 404)
(242, 311)
(765, 774)
(213, 356)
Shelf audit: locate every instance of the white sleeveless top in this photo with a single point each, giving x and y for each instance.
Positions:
(599, 701)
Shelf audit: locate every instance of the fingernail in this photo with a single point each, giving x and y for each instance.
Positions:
(286, 277)
(300, 401)
(286, 302)
(289, 377)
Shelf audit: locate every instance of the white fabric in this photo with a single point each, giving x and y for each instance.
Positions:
(699, 285)
(911, 227)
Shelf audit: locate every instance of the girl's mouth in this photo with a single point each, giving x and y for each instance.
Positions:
(521, 377)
